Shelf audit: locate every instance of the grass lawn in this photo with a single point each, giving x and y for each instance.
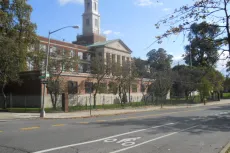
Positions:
(111, 106)
(226, 95)
(228, 151)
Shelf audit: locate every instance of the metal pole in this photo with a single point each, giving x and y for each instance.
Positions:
(42, 113)
(190, 55)
(90, 99)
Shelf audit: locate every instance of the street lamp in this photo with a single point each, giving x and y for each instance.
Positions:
(42, 113)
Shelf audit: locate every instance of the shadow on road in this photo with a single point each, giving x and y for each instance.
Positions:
(207, 124)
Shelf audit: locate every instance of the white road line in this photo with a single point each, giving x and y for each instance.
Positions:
(151, 140)
(102, 139)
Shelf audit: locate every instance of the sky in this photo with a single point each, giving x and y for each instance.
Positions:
(132, 21)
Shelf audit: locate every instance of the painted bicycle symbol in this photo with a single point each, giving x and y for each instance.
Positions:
(124, 142)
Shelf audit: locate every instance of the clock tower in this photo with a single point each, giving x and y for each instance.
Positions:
(91, 24)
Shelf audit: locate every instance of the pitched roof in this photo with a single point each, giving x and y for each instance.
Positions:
(99, 44)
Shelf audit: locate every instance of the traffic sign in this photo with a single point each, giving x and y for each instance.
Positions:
(44, 82)
(43, 77)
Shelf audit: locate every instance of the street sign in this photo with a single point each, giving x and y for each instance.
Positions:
(43, 77)
(44, 82)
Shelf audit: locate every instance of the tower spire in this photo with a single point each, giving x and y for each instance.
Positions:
(91, 18)
(91, 24)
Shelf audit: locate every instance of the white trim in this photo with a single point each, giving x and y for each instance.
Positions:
(63, 46)
(103, 139)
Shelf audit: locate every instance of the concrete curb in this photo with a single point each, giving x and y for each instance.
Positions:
(224, 150)
(130, 112)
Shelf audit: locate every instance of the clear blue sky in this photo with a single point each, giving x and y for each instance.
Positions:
(130, 20)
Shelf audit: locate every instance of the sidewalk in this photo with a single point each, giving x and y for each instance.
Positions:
(85, 114)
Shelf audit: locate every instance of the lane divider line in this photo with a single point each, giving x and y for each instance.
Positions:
(30, 128)
(167, 135)
(101, 121)
(57, 125)
(84, 122)
(102, 139)
(155, 115)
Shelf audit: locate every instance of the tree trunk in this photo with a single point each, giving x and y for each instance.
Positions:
(218, 96)
(52, 100)
(94, 100)
(55, 101)
(4, 97)
(161, 101)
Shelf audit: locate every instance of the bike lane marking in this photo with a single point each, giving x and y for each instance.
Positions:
(102, 139)
(151, 140)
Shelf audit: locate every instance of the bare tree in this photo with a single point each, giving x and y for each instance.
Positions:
(99, 70)
(123, 77)
(59, 61)
(214, 11)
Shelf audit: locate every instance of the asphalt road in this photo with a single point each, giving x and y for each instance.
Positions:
(190, 130)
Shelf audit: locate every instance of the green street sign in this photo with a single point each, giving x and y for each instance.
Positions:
(44, 82)
(44, 77)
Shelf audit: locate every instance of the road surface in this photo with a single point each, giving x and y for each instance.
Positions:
(203, 129)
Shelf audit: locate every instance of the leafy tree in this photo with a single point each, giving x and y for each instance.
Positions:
(9, 71)
(227, 84)
(185, 80)
(204, 89)
(216, 79)
(203, 48)
(159, 59)
(142, 67)
(160, 64)
(17, 34)
(215, 11)
(161, 85)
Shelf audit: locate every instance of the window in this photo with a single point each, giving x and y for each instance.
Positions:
(30, 66)
(134, 88)
(72, 53)
(108, 59)
(43, 47)
(95, 6)
(80, 68)
(88, 5)
(63, 67)
(32, 48)
(123, 60)
(88, 87)
(87, 22)
(72, 87)
(72, 68)
(86, 68)
(103, 88)
(80, 55)
(100, 54)
(119, 59)
(113, 58)
(53, 50)
(96, 22)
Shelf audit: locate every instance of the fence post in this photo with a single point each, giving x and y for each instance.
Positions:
(86, 102)
(25, 103)
(10, 100)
